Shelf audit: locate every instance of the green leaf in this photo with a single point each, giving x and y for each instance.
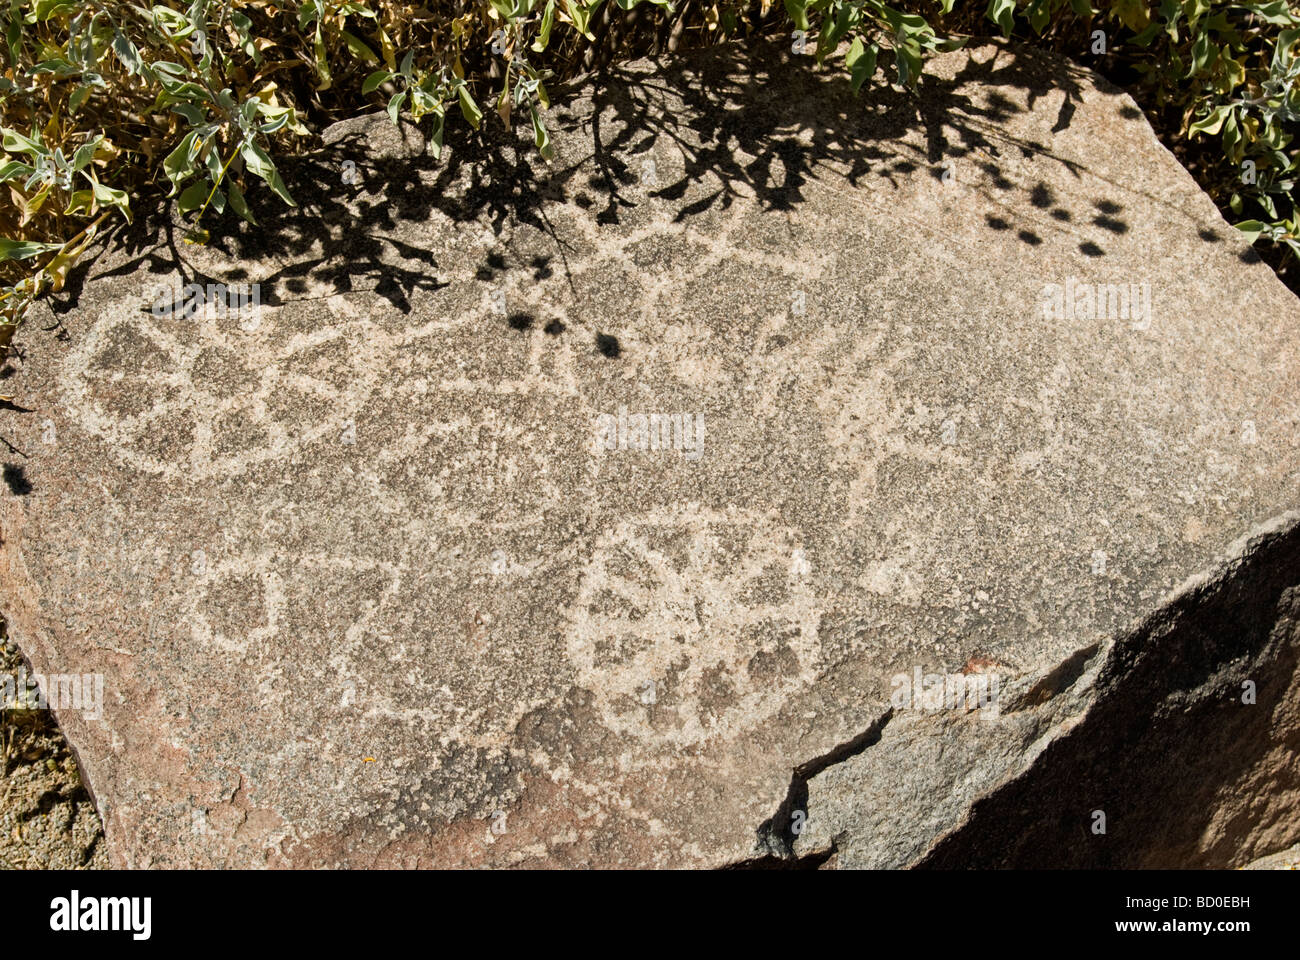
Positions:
(798, 13)
(1251, 228)
(1231, 137)
(22, 249)
(78, 96)
(906, 26)
(1132, 13)
(359, 48)
(580, 16)
(309, 11)
(468, 107)
(85, 153)
(15, 142)
(373, 81)
(830, 36)
(238, 202)
(46, 9)
(1211, 123)
(1145, 38)
(109, 197)
(544, 34)
(194, 195)
(1040, 15)
(257, 161)
(1204, 53)
(1003, 13)
(180, 162)
(14, 39)
(436, 138)
(861, 61)
(275, 123)
(172, 22)
(907, 61)
(15, 168)
(540, 136)
(322, 62)
(395, 106)
(244, 28)
(126, 52)
(79, 201)
(1275, 12)
(422, 102)
(193, 114)
(182, 89)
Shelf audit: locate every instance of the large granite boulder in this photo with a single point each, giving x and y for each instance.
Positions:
(777, 477)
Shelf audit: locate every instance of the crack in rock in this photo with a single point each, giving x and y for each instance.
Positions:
(777, 835)
(1181, 733)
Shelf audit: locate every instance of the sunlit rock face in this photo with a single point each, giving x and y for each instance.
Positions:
(623, 510)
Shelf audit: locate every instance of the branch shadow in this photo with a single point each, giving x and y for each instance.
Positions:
(755, 122)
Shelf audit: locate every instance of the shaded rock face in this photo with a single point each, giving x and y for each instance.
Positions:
(368, 585)
(1172, 746)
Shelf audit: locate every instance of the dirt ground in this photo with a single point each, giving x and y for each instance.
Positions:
(47, 819)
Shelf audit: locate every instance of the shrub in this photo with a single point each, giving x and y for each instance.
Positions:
(1225, 76)
(101, 100)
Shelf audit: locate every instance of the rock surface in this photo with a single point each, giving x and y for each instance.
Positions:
(1285, 860)
(366, 588)
(47, 819)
